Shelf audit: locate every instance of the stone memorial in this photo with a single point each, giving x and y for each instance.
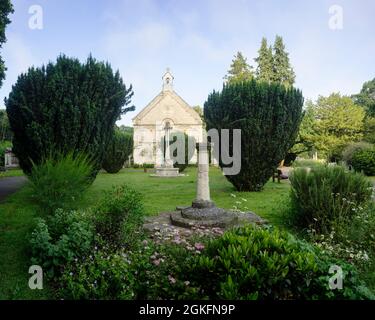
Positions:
(167, 170)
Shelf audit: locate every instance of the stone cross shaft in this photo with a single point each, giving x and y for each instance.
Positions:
(167, 159)
(203, 188)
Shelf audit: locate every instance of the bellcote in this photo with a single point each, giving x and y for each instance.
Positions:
(168, 81)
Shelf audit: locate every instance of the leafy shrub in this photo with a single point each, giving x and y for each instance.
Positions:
(59, 182)
(255, 263)
(143, 273)
(351, 149)
(354, 241)
(148, 165)
(67, 106)
(268, 115)
(322, 196)
(364, 160)
(104, 274)
(118, 151)
(60, 239)
(119, 215)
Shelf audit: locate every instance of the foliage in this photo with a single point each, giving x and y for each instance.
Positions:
(337, 122)
(352, 148)
(268, 116)
(6, 8)
(5, 132)
(60, 239)
(118, 150)
(354, 241)
(264, 71)
(323, 196)
(239, 70)
(66, 106)
(364, 161)
(369, 130)
(253, 263)
(119, 215)
(282, 70)
(273, 63)
(305, 139)
(104, 274)
(143, 273)
(59, 182)
(307, 163)
(366, 98)
(4, 145)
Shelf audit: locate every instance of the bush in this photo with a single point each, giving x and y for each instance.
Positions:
(60, 239)
(67, 106)
(351, 149)
(268, 115)
(102, 275)
(254, 263)
(324, 195)
(119, 215)
(118, 151)
(364, 161)
(148, 166)
(59, 182)
(143, 273)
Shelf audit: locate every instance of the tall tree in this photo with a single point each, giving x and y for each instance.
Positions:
(239, 70)
(66, 107)
(282, 70)
(5, 9)
(264, 71)
(337, 122)
(268, 115)
(366, 98)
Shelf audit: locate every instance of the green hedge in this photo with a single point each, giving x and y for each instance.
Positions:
(364, 161)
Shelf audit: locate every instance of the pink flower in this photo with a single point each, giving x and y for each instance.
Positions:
(171, 279)
(199, 246)
(156, 262)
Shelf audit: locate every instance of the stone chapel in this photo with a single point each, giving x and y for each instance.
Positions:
(167, 109)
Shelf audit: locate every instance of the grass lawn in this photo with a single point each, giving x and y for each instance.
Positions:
(162, 194)
(17, 218)
(11, 173)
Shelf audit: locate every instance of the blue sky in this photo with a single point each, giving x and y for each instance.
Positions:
(197, 40)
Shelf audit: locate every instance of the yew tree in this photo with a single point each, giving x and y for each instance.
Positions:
(268, 115)
(66, 107)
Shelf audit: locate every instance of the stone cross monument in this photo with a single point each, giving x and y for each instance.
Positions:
(203, 211)
(168, 162)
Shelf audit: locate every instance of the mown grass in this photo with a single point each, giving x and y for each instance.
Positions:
(164, 194)
(11, 173)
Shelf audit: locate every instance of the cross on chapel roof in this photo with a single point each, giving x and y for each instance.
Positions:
(168, 81)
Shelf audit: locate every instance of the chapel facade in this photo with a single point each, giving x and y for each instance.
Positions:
(167, 109)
